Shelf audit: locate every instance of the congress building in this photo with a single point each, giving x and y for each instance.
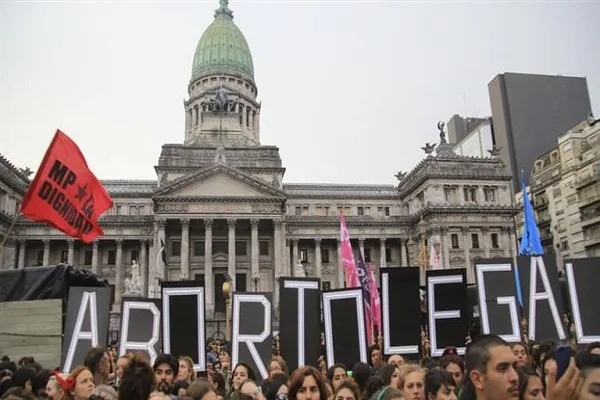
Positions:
(221, 206)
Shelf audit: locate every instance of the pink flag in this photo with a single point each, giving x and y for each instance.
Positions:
(375, 300)
(352, 280)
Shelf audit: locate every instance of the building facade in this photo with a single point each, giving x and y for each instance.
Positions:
(565, 193)
(530, 111)
(477, 143)
(221, 208)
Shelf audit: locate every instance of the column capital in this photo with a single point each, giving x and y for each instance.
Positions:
(361, 241)
(288, 242)
(485, 229)
(119, 242)
(278, 223)
(144, 241)
(231, 223)
(295, 242)
(95, 243)
(382, 241)
(21, 241)
(464, 229)
(318, 242)
(185, 222)
(71, 241)
(161, 222)
(339, 242)
(208, 222)
(46, 242)
(254, 223)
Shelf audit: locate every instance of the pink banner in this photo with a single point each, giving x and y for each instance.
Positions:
(352, 280)
(375, 301)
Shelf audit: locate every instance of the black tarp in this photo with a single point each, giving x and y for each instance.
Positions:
(43, 283)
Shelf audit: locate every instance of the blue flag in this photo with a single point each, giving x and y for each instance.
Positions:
(531, 245)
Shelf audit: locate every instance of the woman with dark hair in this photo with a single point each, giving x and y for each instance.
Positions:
(336, 375)
(374, 384)
(217, 380)
(275, 387)
(241, 372)
(440, 385)
(23, 378)
(201, 389)
(530, 384)
(347, 390)
(390, 373)
(455, 365)
(547, 364)
(589, 365)
(180, 388)
(307, 383)
(520, 350)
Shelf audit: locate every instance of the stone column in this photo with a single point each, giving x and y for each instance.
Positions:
(231, 250)
(161, 239)
(286, 258)
(143, 262)
(485, 238)
(361, 247)
(278, 224)
(21, 262)
(318, 258)
(403, 253)
(445, 248)
(71, 252)
(118, 275)
(294, 256)
(95, 266)
(254, 248)
(467, 250)
(340, 267)
(185, 249)
(208, 272)
(46, 261)
(505, 241)
(512, 241)
(382, 260)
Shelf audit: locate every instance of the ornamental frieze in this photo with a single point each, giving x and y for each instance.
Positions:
(266, 208)
(173, 208)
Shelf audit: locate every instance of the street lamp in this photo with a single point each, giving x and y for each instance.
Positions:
(227, 295)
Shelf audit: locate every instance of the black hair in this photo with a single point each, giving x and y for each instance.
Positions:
(137, 382)
(39, 382)
(179, 384)
(331, 370)
(587, 361)
(93, 358)
(592, 346)
(525, 373)
(386, 372)
(361, 372)
(21, 376)
(374, 384)
(478, 352)
(436, 379)
(166, 359)
(270, 386)
(251, 374)
(452, 359)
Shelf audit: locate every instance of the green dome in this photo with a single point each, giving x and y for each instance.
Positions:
(223, 49)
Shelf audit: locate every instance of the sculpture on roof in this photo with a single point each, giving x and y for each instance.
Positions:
(400, 176)
(429, 148)
(441, 126)
(495, 151)
(26, 171)
(221, 99)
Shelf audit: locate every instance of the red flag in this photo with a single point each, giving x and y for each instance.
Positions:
(65, 193)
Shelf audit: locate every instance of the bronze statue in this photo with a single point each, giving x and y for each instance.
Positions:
(441, 126)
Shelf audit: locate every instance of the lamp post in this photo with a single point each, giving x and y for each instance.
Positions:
(227, 295)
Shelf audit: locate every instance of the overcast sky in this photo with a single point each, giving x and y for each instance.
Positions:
(350, 91)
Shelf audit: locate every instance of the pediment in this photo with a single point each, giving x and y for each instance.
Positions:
(220, 181)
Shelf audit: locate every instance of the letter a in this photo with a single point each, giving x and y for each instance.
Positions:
(88, 301)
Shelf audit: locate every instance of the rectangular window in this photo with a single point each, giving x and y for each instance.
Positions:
(360, 211)
(135, 255)
(305, 210)
(367, 255)
(112, 257)
(470, 194)
(39, 260)
(489, 194)
(326, 285)
(495, 244)
(298, 210)
(368, 211)
(387, 211)
(325, 256)
(198, 248)
(175, 248)
(87, 257)
(320, 211)
(303, 256)
(241, 248)
(221, 247)
(474, 241)
(454, 239)
(326, 209)
(263, 247)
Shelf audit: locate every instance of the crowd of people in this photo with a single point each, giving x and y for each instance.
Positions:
(491, 369)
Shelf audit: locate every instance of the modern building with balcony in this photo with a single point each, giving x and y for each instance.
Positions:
(565, 192)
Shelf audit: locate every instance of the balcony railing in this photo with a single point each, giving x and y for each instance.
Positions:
(581, 182)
